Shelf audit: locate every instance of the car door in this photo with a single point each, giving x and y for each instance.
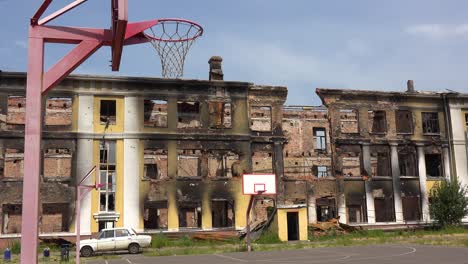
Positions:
(106, 241)
(122, 239)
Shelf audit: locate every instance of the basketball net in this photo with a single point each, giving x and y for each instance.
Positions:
(172, 39)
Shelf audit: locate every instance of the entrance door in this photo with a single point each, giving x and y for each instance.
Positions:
(293, 226)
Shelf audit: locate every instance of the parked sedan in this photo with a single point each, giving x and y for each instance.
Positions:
(115, 239)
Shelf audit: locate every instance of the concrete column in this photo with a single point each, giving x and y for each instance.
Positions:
(279, 169)
(84, 157)
(312, 210)
(422, 183)
(131, 190)
(446, 158)
(396, 183)
(207, 218)
(366, 158)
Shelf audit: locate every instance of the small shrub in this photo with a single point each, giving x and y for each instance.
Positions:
(15, 247)
(449, 203)
(159, 241)
(268, 237)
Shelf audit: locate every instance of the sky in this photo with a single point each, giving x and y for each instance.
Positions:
(300, 44)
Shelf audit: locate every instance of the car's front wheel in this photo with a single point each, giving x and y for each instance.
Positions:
(134, 248)
(86, 252)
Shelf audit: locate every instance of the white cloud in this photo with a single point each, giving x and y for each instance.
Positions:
(438, 30)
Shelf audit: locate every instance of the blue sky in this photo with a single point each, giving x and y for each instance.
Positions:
(301, 44)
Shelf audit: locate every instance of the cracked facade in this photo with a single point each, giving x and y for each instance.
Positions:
(171, 154)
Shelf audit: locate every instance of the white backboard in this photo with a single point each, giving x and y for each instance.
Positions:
(254, 183)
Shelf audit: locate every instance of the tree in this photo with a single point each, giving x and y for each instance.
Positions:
(448, 203)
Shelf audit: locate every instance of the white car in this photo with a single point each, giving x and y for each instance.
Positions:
(115, 239)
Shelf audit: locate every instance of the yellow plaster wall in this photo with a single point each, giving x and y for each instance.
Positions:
(241, 202)
(283, 223)
(95, 193)
(431, 184)
(172, 214)
(418, 130)
(119, 126)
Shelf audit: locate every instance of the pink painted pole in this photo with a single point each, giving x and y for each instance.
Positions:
(32, 151)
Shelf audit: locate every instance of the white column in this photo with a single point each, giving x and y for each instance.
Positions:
(312, 210)
(131, 190)
(84, 157)
(396, 183)
(422, 183)
(446, 158)
(366, 159)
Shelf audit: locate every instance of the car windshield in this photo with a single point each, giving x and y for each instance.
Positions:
(106, 234)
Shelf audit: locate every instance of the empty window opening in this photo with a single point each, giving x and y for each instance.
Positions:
(355, 196)
(222, 213)
(380, 162)
(260, 118)
(108, 112)
(382, 191)
(54, 218)
(320, 138)
(408, 163)
(107, 176)
(188, 114)
(404, 122)
(410, 198)
(155, 113)
(349, 121)
(155, 164)
(326, 209)
(222, 163)
(155, 215)
(58, 111)
(466, 120)
(322, 171)
(220, 115)
(351, 165)
(57, 162)
(11, 218)
(262, 162)
(430, 123)
(190, 215)
(377, 122)
(14, 163)
(189, 163)
(433, 165)
(16, 111)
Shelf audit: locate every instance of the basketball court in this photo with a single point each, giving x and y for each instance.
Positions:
(380, 254)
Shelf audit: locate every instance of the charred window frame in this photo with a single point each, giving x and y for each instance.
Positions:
(155, 164)
(155, 113)
(51, 212)
(377, 122)
(349, 121)
(190, 214)
(220, 114)
(221, 163)
(380, 161)
(325, 208)
(189, 162)
(107, 172)
(408, 163)
(108, 112)
(260, 118)
(155, 215)
(320, 136)
(188, 114)
(10, 211)
(58, 111)
(222, 213)
(430, 123)
(434, 167)
(404, 122)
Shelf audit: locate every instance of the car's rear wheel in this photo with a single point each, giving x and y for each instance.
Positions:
(134, 248)
(86, 252)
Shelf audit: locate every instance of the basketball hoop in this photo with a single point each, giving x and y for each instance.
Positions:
(172, 39)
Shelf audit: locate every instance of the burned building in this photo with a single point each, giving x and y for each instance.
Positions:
(170, 153)
(388, 150)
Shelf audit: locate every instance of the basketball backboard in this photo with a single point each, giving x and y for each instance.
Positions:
(119, 15)
(253, 184)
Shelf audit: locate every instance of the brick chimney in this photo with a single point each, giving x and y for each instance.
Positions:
(216, 71)
(410, 86)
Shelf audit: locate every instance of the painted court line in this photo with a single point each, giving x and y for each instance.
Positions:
(231, 258)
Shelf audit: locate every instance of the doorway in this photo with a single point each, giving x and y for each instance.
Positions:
(293, 226)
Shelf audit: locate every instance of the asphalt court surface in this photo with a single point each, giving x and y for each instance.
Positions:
(381, 254)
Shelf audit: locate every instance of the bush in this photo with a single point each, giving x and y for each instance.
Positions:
(449, 203)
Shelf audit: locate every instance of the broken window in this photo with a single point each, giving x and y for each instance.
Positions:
(355, 196)
(326, 209)
(220, 114)
(54, 218)
(408, 162)
(220, 163)
(58, 111)
(430, 123)
(222, 213)
(322, 171)
(382, 191)
(190, 214)
(433, 165)
(155, 113)
(262, 162)
(57, 162)
(14, 163)
(410, 198)
(188, 114)
(16, 112)
(155, 164)
(155, 215)
(320, 138)
(189, 162)
(107, 176)
(108, 112)
(349, 121)
(260, 118)
(380, 161)
(11, 218)
(404, 122)
(377, 122)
